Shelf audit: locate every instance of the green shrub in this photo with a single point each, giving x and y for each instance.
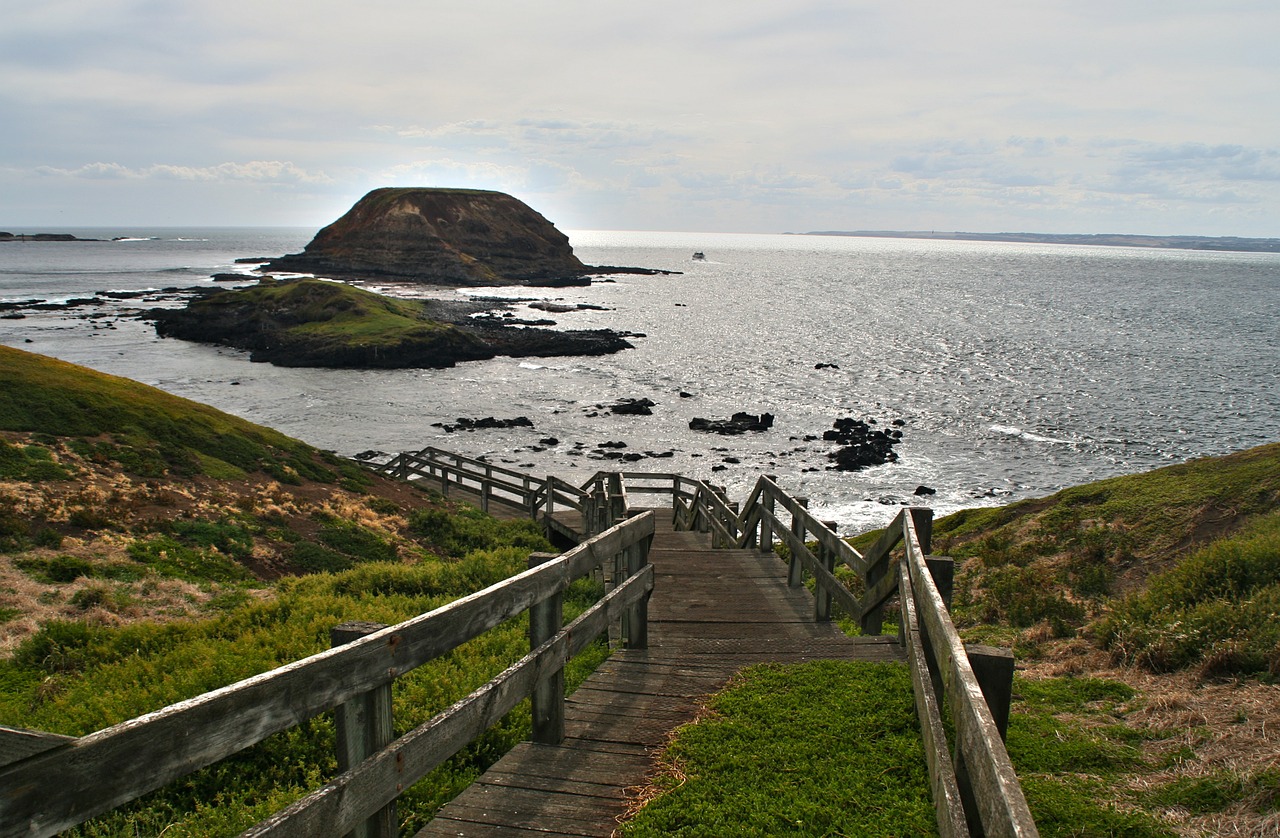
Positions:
(310, 557)
(86, 518)
(169, 557)
(30, 462)
(1216, 609)
(58, 570)
(460, 532)
(229, 537)
(1019, 596)
(357, 542)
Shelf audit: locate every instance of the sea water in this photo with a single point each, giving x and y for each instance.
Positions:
(1013, 369)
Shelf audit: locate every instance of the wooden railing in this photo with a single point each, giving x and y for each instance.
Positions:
(975, 788)
(52, 783)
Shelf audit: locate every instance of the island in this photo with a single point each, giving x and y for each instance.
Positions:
(319, 323)
(42, 237)
(436, 236)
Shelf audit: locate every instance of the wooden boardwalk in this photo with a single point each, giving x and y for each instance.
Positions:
(712, 613)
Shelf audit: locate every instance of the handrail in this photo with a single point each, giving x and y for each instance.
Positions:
(979, 790)
(978, 793)
(59, 788)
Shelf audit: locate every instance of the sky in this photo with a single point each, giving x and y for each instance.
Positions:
(1155, 117)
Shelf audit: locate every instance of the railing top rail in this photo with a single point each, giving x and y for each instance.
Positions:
(999, 797)
(431, 452)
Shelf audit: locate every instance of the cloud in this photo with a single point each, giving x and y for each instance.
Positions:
(260, 171)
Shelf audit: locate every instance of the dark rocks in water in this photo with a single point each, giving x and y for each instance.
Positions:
(826, 366)
(371, 454)
(924, 490)
(633, 407)
(619, 269)
(74, 302)
(229, 277)
(564, 308)
(861, 445)
(251, 260)
(737, 424)
(487, 423)
(685, 395)
(549, 441)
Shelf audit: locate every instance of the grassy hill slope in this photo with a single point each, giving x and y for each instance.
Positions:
(152, 549)
(1144, 612)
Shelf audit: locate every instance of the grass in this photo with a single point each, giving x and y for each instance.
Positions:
(74, 677)
(1218, 610)
(318, 323)
(145, 558)
(142, 430)
(824, 748)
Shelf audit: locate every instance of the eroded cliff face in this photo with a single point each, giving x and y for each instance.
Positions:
(441, 237)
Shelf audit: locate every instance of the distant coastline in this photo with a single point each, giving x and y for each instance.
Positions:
(1227, 243)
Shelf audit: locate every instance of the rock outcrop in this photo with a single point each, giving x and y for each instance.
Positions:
(454, 237)
(314, 323)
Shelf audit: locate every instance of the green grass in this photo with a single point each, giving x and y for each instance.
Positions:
(143, 430)
(1198, 545)
(74, 678)
(331, 319)
(825, 748)
(1070, 770)
(1217, 610)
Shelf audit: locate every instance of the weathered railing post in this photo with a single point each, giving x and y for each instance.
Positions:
(993, 669)
(795, 570)
(766, 526)
(444, 481)
(922, 518)
(364, 727)
(821, 593)
(546, 618)
(635, 621)
(943, 571)
(617, 499)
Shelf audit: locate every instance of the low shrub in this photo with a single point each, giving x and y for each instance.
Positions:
(1219, 609)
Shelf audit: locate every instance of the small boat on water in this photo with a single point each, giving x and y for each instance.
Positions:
(699, 256)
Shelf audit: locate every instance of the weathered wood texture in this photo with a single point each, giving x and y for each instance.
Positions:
(712, 613)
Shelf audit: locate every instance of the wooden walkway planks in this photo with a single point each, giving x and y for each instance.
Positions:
(712, 613)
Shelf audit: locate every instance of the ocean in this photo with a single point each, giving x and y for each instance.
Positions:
(1012, 370)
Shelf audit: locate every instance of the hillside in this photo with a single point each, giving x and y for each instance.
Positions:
(152, 549)
(119, 502)
(1144, 613)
